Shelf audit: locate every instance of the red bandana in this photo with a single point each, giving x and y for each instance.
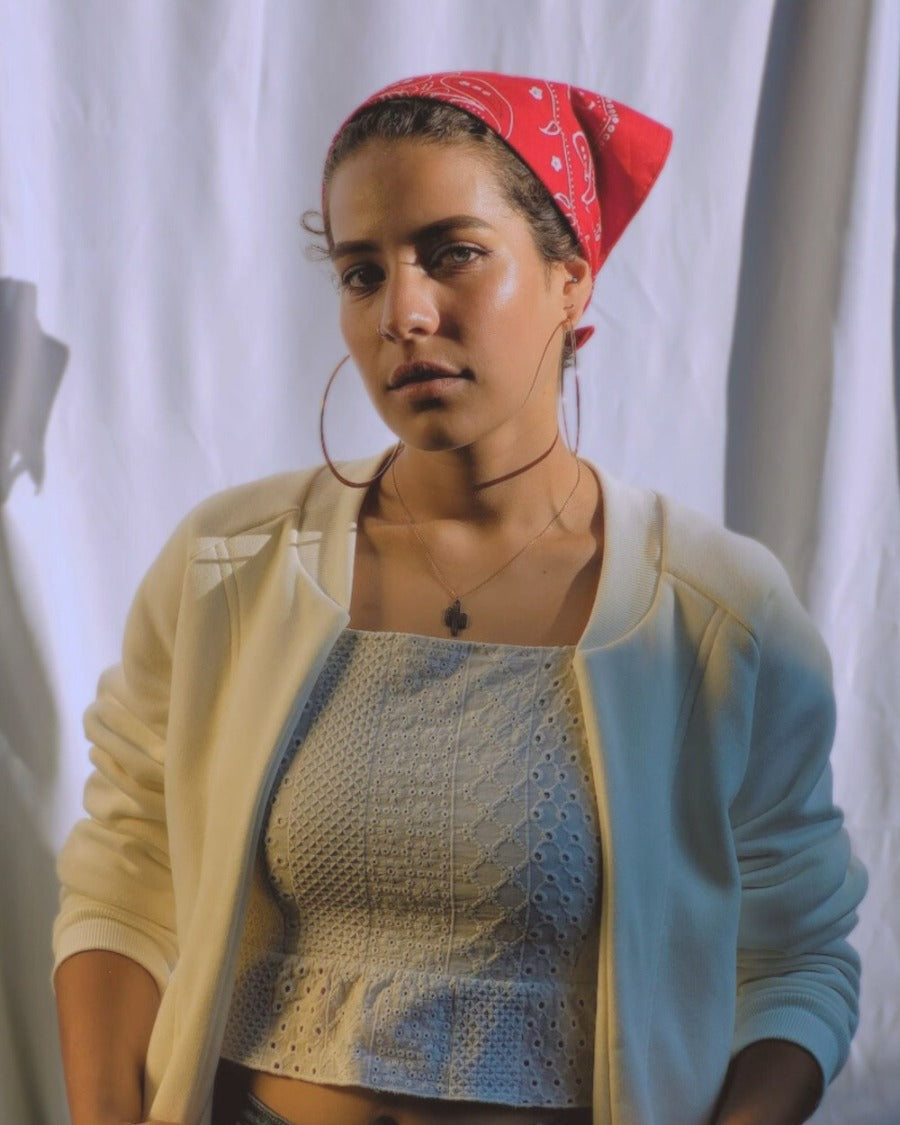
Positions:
(596, 157)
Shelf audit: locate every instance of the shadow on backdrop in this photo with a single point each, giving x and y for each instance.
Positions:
(31, 368)
(798, 201)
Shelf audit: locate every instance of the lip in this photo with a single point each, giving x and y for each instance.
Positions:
(420, 373)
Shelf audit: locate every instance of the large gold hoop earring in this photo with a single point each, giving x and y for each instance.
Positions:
(571, 346)
(395, 452)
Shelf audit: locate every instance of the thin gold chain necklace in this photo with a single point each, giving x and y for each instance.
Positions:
(454, 617)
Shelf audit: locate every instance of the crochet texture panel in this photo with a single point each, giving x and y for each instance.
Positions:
(432, 842)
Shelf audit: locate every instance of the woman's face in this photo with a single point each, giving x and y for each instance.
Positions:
(446, 303)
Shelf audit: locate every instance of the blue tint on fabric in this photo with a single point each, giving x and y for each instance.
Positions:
(253, 1112)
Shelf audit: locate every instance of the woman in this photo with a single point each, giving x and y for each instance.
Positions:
(559, 845)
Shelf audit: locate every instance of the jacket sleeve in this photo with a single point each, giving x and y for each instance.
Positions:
(114, 867)
(798, 978)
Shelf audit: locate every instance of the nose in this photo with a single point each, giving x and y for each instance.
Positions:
(408, 308)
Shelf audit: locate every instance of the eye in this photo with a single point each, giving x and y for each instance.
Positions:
(455, 256)
(361, 278)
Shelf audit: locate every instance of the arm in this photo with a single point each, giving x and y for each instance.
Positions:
(798, 978)
(114, 937)
(106, 1005)
(771, 1082)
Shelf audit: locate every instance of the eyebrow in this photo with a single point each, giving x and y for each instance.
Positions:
(423, 234)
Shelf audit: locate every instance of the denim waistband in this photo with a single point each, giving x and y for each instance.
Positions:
(251, 1111)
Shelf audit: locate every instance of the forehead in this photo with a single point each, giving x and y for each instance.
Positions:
(401, 185)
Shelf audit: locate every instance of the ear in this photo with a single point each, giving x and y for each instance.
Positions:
(577, 288)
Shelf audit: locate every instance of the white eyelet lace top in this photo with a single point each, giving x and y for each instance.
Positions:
(433, 844)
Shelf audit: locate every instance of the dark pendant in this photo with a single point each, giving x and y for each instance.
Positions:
(455, 619)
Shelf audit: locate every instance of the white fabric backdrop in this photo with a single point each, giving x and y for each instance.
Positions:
(162, 336)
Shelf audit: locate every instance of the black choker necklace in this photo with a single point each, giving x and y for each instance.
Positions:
(523, 469)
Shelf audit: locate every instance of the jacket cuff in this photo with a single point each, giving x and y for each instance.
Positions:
(81, 931)
(797, 1022)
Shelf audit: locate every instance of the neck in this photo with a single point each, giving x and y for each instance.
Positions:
(481, 486)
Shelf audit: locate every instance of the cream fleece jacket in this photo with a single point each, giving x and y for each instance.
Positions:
(728, 883)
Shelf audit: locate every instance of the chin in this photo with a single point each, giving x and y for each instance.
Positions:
(431, 433)
(434, 443)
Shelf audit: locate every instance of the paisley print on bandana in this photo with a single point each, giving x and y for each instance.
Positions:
(475, 93)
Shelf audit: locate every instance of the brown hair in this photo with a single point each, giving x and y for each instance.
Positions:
(439, 123)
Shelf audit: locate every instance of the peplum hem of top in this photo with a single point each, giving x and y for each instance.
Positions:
(420, 1033)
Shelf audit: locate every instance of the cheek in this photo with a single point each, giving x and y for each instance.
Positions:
(503, 288)
(501, 309)
(355, 327)
(511, 288)
(519, 293)
(346, 318)
(361, 344)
